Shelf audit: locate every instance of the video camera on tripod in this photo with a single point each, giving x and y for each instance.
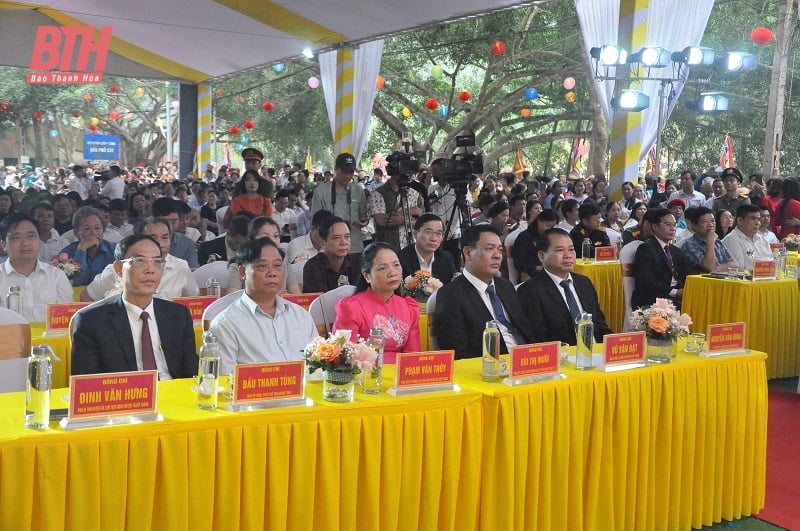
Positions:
(404, 164)
(457, 171)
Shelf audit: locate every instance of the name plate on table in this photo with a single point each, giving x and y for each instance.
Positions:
(301, 299)
(774, 246)
(59, 316)
(725, 340)
(605, 254)
(764, 270)
(538, 362)
(623, 351)
(196, 305)
(421, 372)
(111, 398)
(266, 385)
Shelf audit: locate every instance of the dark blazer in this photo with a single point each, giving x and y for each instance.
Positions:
(443, 267)
(461, 315)
(548, 313)
(102, 340)
(652, 275)
(215, 246)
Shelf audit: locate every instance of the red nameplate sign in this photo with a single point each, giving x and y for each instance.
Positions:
(605, 254)
(301, 299)
(538, 359)
(624, 348)
(196, 305)
(59, 314)
(726, 337)
(763, 269)
(113, 393)
(773, 246)
(259, 382)
(421, 369)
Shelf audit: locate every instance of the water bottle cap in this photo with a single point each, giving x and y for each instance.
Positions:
(209, 337)
(376, 331)
(13, 289)
(41, 350)
(212, 281)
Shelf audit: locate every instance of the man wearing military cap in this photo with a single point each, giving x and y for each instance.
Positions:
(732, 200)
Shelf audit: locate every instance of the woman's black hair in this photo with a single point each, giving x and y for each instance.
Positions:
(367, 259)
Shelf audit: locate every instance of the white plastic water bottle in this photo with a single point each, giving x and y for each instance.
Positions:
(373, 379)
(14, 299)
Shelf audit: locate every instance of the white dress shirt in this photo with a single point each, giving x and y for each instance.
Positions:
(176, 281)
(135, 321)
(45, 285)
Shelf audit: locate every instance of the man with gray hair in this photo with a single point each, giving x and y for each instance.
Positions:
(91, 251)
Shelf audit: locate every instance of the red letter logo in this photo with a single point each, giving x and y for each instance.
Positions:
(55, 48)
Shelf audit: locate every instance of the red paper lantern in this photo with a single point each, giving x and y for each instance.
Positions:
(432, 104)
(220, 91)
(761, 36)
(240, 98)
(87, 97)
(234, 130)
(93, 128)
(525, 113)
(114, 89)
(76, 113)
(498, 48)
(37, 115)
(248, 124)
(464, 96)
(267, 106)
(379, 82)
(114, 115)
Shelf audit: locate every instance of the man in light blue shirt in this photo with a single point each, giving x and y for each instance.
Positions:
(91, 251)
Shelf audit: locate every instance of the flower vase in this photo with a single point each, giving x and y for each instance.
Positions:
(660, 350)
(423, 303)
(338, 386)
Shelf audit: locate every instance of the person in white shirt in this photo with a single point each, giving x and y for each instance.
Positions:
(286, 218)
(80, 182)
(51, 242)
(114, 188)
(118, 218)
(744, 242)
(40, 283)
(764, 229)
(261, 326)
(176, 281)
(687, 193)
(569, 214)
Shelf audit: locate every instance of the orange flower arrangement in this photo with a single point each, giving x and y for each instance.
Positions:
(421, 284)
(338, 354)
(661, 320)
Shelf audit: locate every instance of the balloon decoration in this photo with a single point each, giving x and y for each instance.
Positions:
(432, 104)
(93, 128)
(113, 89)
(76, 113)
(128, 115)
(240, 98)
(219, 92)
(87, 97)
(498, 48)
(248, 124)
(114, 115)
(406, 112)
(379, 82)
(37, 115)
(436, 71)
(175, 104)
(761, 36)
(95, 120)
(443, 110)
(525, 113)
(4, 106)
(268, 106)
(569, 83)
(570, 97)
(313, 82)
(531, 93)
(234, 130)
(244, 139)
(140, 92)
(464, 96)
(54, 132)
(280, 67)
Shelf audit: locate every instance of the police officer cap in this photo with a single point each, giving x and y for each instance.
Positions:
(731, 171)
(252, 154)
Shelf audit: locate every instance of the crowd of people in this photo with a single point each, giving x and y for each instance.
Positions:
(131, 238)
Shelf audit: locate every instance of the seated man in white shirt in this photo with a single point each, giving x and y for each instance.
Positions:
(745, 243)
(51, 241)
(40, 283)
(176, 281)
(118, 218)
(261, 326)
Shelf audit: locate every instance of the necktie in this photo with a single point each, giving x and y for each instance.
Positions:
(574, 311)
(497, 306)
(148, 356)
(671, 264)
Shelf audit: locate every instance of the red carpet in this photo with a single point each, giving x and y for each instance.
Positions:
(782, 506)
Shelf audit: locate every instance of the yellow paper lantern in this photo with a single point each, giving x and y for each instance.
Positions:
(570, 96)
(140, 92)
(94, 120)
(406, 112)
(436, 71)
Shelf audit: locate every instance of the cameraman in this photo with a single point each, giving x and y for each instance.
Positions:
(395, 205)
(443, 203)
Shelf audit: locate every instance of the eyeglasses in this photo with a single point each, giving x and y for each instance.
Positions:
(668, 224)
(431, 232)
(140, 261)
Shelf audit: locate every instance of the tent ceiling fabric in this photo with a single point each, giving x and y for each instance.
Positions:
(200, 40)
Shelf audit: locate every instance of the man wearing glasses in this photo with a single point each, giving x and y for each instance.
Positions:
(659, 267)
(426, 252)
(134, 331)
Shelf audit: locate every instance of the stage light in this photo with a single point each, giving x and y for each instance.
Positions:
(609, 55)
(308, 53)
(651, 57)
(709, 102)
(631, 100)
(736, 61)
(694, 56)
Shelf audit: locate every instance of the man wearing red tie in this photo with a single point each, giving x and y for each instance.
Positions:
(134, 331)
(659, 267)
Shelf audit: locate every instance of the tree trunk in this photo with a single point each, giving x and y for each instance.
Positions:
(777, 91)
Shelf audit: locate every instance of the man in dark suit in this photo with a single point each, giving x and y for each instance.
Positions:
(555, 298)
(134, 331)
(659, 268)
(479, 295)
(224, 247)
(428, 235)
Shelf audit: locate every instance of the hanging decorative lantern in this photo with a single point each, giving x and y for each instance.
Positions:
(313, 82)
(268, 106)
(114, 115)
(140, 92)
(569, 83)
(498, 48)
(278, 67)
(531, 93)
(248, 124)
(113, 89)
(37, 115)
(219, 92)
(54, 132)
(570, 97)
(406, 112)
(128, 115)
(175, 104)
(761, 36)
(240, 98)
(464, 96)
(525, 113)
(87, 97)
(443, 110)
(379, 82)
(93, 128)
(95, 120)
(76, 113)
(234, 130)
(436, 71)
(432, 104)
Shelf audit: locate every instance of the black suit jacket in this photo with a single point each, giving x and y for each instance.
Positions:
(461, 315)
(548, 313)
(443, 267)
(652, 275)
(102, 340)
(215, 246)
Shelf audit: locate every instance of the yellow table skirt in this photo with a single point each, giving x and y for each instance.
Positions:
(669, 447)
(771, 309)
(607, 280)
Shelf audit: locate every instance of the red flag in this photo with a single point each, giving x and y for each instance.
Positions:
(727, 159)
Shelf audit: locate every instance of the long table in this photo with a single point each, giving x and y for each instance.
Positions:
(664, 447)
(771, 309)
